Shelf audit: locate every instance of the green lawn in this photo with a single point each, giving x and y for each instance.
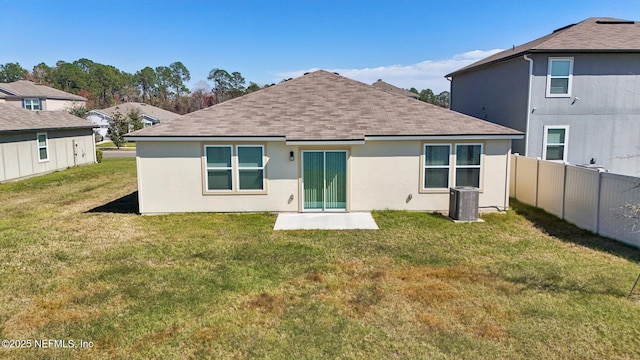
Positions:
(76, 266)
(111, 145)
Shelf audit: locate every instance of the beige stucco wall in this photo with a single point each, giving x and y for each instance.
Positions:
(382, 175)
(19, 152)
(50, 104)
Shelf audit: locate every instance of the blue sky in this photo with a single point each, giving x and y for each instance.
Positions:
(406, 43)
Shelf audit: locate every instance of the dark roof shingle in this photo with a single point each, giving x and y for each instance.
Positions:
(323, 106)
(590, 35)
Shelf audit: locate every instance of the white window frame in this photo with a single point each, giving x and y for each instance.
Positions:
(46, 146)
(238, 168)
(31, 102)
(545, 143)
(207, 168)
(570, 76)
(425, 166)
(456, 166)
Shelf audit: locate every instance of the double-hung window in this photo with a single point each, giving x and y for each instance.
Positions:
(436, 166)
(32, 104)
(250, 167)
(230, 171)
(555, 143)
(43, 147)
(559, 77)
(468, 164)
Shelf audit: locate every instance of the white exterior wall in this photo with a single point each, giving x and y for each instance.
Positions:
(60, 105)
(19, 153)
(381, 175)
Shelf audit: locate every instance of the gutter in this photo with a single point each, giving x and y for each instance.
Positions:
(526, 136)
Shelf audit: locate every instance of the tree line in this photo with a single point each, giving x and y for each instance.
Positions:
(163, 86)
(105, 85)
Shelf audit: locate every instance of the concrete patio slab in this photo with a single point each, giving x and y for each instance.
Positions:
(325, 221)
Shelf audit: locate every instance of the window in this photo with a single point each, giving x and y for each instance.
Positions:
(219, 168)
(468, 164)
(226, 171)
(250, 168)
(555, 143)
(436, 166)
(43, 147)
(32, 104)
(559, 77)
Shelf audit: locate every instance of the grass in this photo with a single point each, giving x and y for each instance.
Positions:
(77, 265)
(109, 145)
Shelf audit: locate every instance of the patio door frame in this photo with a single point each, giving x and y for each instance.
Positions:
(324, 176)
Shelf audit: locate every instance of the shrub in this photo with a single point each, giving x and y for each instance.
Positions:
(98, 155)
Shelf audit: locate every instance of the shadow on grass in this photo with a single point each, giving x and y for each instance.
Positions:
(127, 204)
(556, 227)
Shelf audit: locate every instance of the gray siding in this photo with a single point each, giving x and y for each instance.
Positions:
(19, 152)
(604, 120)
(497, 93)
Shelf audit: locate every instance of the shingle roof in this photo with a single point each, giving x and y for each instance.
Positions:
(13, 118)
(590, 35)
(392, 88)
(25, 88)
(145, 109)
(323, 106)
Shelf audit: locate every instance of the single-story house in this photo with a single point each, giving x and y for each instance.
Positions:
(31, 96)
(38, 142)
(151, 115)
(320, 142)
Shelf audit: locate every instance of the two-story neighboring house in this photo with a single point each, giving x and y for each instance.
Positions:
(151, 115)
(31, 96)
(574, 92)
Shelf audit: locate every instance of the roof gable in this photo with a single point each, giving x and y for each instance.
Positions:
(323, 106)
(13, 118)
(590, 35)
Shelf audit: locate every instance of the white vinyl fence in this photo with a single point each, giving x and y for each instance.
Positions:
(597, 201)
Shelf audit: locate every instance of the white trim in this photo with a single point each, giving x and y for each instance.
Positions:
(46, 145)
(456, 166)
(545, 134)
(205, 138)
(325, 142)
(207, 168)
(549, 77)
(526, 139)
(445, 137)
(424, 165)
(238, 168)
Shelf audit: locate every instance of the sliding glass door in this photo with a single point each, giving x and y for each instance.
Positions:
(324, 180)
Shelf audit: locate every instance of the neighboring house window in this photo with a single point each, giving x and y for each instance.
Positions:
(436, 166)
(219, 168)
(32, 104)
(43, 147)
(250, 167)
(559, 77)
(229, 171)
(555, 143)
(468, 164)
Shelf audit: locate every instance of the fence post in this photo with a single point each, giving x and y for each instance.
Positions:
(600, 171)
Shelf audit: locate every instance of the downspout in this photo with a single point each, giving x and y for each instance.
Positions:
(526, 135)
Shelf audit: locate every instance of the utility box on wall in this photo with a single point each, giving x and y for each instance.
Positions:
(463, 203)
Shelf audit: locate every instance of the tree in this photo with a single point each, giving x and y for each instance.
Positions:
(40, 74)
(252, 87)
(221, 84)
(79, 111)
(443, 99)
(179, 74)
(134, 120)
(236, 84)
(117, 128)
(11, 72)
(145, 80)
